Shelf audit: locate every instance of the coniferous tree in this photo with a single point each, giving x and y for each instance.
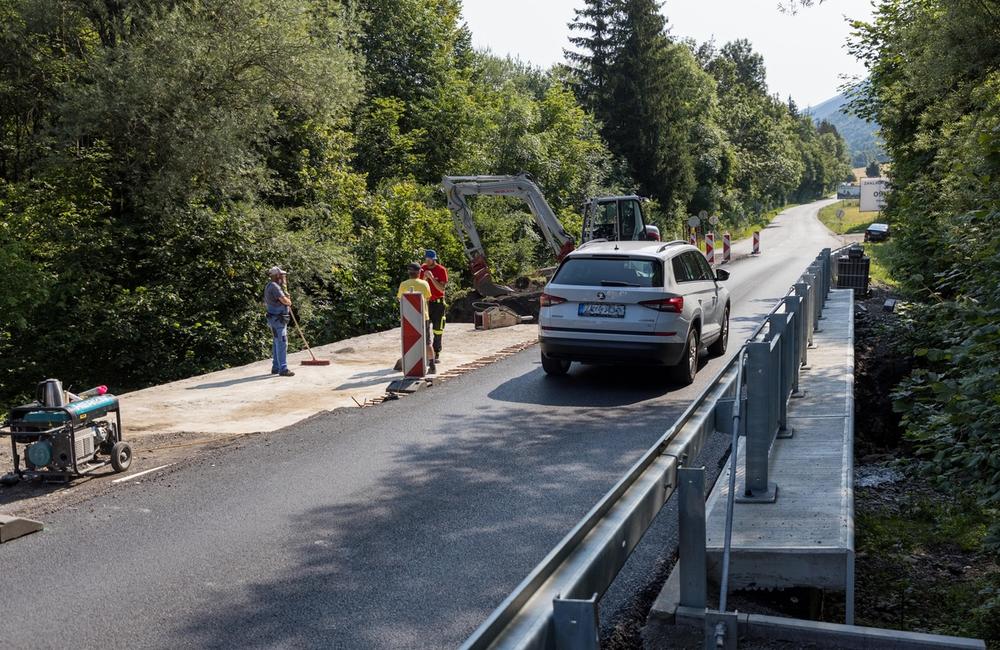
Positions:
(645, 120)
(594, 55)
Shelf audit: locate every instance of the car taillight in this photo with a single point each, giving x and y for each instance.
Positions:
(548, 300)
(675, 304)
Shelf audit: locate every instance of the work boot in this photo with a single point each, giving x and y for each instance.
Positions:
(286, 373)
(432, 369)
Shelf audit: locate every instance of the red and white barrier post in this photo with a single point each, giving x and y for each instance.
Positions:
(710, 247)
(727, 248)
(756, 242)
(411, 316)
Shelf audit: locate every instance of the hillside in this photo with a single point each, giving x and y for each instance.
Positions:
(862, 141)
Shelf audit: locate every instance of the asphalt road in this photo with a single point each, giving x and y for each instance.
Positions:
(397, 526)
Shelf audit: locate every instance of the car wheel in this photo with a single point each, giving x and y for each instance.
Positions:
(683, 373)
(554, 367)
(719, 347)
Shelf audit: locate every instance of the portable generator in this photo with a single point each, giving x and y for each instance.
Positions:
(60, 438)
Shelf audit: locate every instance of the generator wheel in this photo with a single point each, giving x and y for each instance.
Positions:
(121, 456)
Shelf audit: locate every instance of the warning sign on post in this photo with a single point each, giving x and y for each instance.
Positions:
(873, 194)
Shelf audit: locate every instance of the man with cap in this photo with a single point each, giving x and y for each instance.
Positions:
(277, 301)
(415, 285)
(437, 277)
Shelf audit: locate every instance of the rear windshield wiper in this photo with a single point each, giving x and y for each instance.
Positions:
(617, 283)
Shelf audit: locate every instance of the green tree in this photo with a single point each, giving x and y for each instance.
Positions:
(418, 62)
(146, 217)
(934, 88)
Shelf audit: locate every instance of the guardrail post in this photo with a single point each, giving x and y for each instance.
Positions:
(793, 306)
(761, 426)
(802, 292)
(691, 531)
(576, 623)
(828, 260)
(781, 327)
(816, 268)
(813, 326)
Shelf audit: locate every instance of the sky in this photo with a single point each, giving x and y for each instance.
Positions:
(805, 54)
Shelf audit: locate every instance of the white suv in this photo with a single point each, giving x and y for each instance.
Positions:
(634, 302)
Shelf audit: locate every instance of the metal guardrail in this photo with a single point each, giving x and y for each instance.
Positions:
(772, 366)
(556, 605)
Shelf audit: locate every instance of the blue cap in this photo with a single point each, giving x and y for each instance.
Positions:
(431, 254)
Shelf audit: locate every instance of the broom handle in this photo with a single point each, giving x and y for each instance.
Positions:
(296, 321)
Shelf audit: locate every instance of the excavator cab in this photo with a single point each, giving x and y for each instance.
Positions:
(614, 218)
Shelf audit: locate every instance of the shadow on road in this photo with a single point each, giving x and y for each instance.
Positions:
(592, 385)
(421, 557)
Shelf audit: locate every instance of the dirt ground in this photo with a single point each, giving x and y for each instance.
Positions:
(920, 563)
(170, 423)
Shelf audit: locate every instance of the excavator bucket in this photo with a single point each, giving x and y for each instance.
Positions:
(485, 286)
(482, 281)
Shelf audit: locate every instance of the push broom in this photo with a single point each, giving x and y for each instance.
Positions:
(308, 362)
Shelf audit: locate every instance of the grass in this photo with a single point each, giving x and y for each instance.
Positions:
(880, 255)
(853, 222)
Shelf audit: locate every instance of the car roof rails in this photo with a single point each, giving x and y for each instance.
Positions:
(591, 241)
(669, 244)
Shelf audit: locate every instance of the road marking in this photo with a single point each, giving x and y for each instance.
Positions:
(129, 478)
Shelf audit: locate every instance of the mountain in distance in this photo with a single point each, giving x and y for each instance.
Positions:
(863, 143)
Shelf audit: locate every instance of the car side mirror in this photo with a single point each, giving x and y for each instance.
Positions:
(721, 275)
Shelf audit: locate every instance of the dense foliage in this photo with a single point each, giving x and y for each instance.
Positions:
(935, 91)
(156, 156)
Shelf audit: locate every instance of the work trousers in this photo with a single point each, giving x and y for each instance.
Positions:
(436, 309)
(279, 346)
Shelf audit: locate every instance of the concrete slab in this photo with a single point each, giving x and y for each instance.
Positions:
(806, 538)
(248, 399)
(13, 527)
(167, 424)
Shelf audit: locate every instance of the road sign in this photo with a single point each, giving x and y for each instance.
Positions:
(713, 220)
(873, 194)
(694, 222)
(840, 214)
(703, 214)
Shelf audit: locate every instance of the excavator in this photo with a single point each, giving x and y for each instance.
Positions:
(610, 218)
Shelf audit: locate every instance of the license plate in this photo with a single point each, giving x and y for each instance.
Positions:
(602, 310)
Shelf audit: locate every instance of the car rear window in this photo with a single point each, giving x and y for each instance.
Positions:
(610, 272)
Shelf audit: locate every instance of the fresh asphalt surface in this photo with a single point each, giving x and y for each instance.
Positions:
(397, 526)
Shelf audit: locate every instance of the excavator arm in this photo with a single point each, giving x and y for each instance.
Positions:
(457, 188)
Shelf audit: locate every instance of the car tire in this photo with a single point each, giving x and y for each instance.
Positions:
(683, 373)
(554, 367)
(718, 348)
